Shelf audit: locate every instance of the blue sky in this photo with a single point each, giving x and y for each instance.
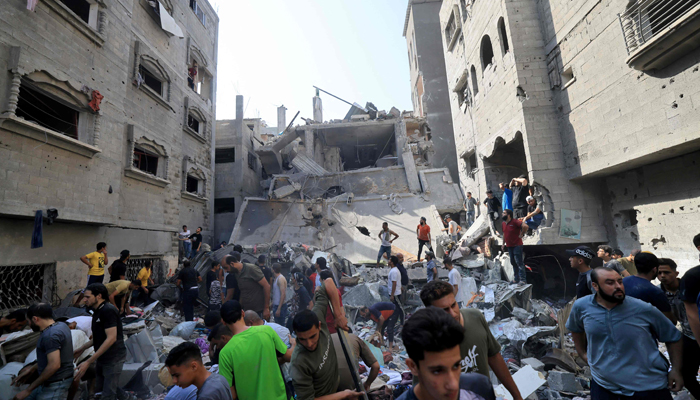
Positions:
(273, 51)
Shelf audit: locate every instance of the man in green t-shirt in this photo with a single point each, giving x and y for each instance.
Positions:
(314, 362)
(249, 359)
(479, 349)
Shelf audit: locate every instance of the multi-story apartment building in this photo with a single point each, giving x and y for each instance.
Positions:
(107, 118)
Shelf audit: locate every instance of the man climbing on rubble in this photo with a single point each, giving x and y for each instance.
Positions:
(255, 289)
(452, 229)
(471, 205)
(119, 293)
(185, 366)
(257, 346)
(424, 239)
(493, 209)
(630, 366)
(385, 316)
(479, 350)
(670, 285)
(640, 287)
(96, 262)
(14, 321)
(513, 231)
(580, 259)
(108, 340)
(430, 265)
(606, 253)
(314, 363)
(279, 294)
(385, 236)
(54, 353)
(117, 271)
(432, 341)
(188, 281)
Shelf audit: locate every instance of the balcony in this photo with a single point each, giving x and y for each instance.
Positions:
(658, 32)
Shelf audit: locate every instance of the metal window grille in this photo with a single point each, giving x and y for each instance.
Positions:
(23, 285)
(644, 19)
(134, 265)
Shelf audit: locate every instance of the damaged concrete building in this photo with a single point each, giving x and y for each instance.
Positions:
(107, 120)
(332, 185)
(599, 110)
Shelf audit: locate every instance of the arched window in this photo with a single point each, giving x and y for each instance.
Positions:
(475, 85)
(503, 36)
(486, 52)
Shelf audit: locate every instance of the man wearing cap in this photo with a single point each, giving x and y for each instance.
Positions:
(453, 228)
(580, 259)
(513, 231)
(639, 286)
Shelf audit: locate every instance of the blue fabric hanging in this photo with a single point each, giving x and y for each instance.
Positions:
(37, 235)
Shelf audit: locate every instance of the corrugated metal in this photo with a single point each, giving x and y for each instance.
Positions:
(308, 166)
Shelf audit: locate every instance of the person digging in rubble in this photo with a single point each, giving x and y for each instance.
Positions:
(54, 353)
(606, 253)
(14, 321)
(670, 285)
(479, 350)
(630, 366)
(453, 228)
(255, 289)
(188, 280)
(117, 271)
(432, 268)
(108, 340)
(96, 262)
(314, 366)
(513, 231)
(257, 346)
(119, 292)
(423, 234)
(432, 341)
(385, 236)
(493, 209)
(640, 287)
(360, 351)
(471, 206)
(580, 259)
(385, 316)
(185, 366)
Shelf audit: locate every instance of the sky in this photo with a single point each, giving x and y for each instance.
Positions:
(274, 51)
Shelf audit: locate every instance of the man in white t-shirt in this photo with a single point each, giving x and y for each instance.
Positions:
(454, 278)
(186, 242)
(395, 286)
(453, 228)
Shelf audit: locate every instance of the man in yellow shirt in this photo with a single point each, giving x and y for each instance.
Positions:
(119, 291)
(145, 277)
(96, 262)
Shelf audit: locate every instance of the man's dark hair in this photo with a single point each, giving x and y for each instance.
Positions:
(182, 353)
(41, 310)
(435, 290)
(184, 226)
(322, 263)
(261, 259)
(523, 176)
(669, 262)
(277, 267)
(123, 255)
(645, 262)
(236, 257)
(18, 315)
(304, 320)
(212, 318)
(489, 191)
(186, 264)
(447, 261)
(231, 312)
(430, 329)
(136, 283)
(508, 212)
(218, 331)
(618, 252)
(101, 246)
(696, 240)
(607, 249)
(238, 248)
(394, 260)
(325, 274)
(469, 192)
(596, 271)
(309, 272)
(98, 289)
(199, 227)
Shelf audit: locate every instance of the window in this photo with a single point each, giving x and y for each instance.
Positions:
(252, 128)
(567, 77)
(225, 156)
(252, 161)
(470, 164)
(462, 90)
(475, 85)
(145, 161)
(503, 35)
(486, 52)
(450, 30)
(81, 8)
(629, 218)
(198, 12)
(23, 285)
(151, 80)
(193, 123)
(35, 106)
(83, 15)
(192, 185)
(227, 205)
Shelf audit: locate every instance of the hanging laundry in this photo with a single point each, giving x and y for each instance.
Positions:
(37, 236)
(96, 100)
(31, 4)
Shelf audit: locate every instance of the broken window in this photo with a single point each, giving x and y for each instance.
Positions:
(225, 156)
(226, 205)
(36, 106)
(567, 77)
(503, 35)
(198, 12)
(145, 161)
(470, 165)
(23, 285)
(629, 218)
(450, 29)
(252, 161)
(193, 123)
(81, 8)
(486, 52)
(463, 93)
(150, 80)
(192, 185)
(475, 84)
(252, 128)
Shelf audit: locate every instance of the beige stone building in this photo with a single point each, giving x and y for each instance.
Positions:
(129, 170)
(599, 110)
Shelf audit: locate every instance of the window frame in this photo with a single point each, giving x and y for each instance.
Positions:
(93, 29)
(454, 20)
(202, 16)
(137, 140)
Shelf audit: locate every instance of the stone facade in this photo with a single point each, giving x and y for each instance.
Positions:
(559, 102)
(123, 178)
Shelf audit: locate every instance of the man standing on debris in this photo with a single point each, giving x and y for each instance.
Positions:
(635, 326)
(184, 237)
(14, 321)
(513, 231)
(107, 339)
(232, 290)
(117, 271)
(185, 366)
(432, 341)
(507, 199)
(404, 279)
(520, 192)
(469, 207)
(96, 262)
(479, 350)
(452, 229)
(385, 236)
(493, 208)
(302, 297)
(432, 269)
(187, 280)
(320, 265)
(262, 264)
(606, 253)
(580, 260)
(196, 242)
(395, 285)
(385, 316)
(257, 346)
(54, 353)
(424, 239)
(214, 287)
(670, 285)
(453, 276)
(255, 289)
(640, 286)
(119, 293)
(279, 294)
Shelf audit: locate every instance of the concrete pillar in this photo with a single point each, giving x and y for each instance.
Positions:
(239, 118)
(400, 138)
(309, 143)
(318, 109)
(281, 118)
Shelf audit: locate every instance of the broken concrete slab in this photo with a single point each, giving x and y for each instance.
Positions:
(528, 381)
(563, 382)
(285, 191)
(363, 295)
(479, 229)
(536, 364)
(308, 166)
(561, 359)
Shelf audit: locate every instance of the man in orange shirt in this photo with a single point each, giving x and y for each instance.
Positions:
(423, 232)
